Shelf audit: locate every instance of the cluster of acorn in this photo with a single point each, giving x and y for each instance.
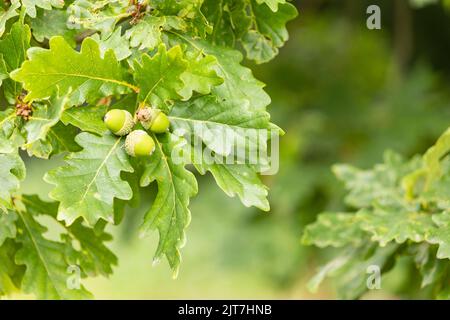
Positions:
(138, 143)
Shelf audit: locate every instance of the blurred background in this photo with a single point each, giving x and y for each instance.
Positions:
(343, 94)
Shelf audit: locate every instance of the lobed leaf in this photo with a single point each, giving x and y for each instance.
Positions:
(46, 273)
(12, 172)
(85, 74)
(169, 213)
(335, 230)
(87, 185)
(159, 77)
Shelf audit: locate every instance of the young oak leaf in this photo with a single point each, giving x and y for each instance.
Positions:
(45, 261)
(159, 77)
(86, 74)
(169, 213)
(116, 42)
(98, 15)
(147, 33)
(200, 75)
(30, 5)
(268, 32)
(12, 172)
(7, 14)
(239, 83)
(87, 185)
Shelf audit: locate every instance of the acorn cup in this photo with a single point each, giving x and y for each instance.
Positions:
(139, 144)
(120, 122)
(153, 119)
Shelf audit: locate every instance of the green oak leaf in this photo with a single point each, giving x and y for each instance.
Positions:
(13, 48)
(441, 235)
(7, 129)
(93, 255)
(32, 5)
(225, 127)
(335, 230)
(239, 82)
(169, 213)
(146, 34)
(159, 77)
(115, 42)
(272, 4)
(259, 25)
(7, 14)
(45, 115)
(190, 11)
(240, 180)
(350, 269)
(8, 269)
(43, 30)
(88, 75)
(396, 224)
(200, 75)
(381, 185)
(87, 118)
(12, 172)
(431, 268)
(225, 16)
(353, 277)
(7, 226)
(87, 185)
(60, 139)
(97, 15)
(268, 31)
(47, 267)
(435, 154)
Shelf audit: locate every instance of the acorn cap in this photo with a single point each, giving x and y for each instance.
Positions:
(120, 122)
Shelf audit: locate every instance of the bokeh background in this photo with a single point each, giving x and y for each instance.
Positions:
(342, 93)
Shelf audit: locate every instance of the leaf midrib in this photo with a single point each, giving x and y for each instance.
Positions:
(65, 74)
(41, 257)
(99, 169)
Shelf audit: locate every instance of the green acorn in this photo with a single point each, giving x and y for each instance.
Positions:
(119, 122)
(139, 144)
(153, 119)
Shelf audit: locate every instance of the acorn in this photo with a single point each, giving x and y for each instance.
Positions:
(139, 144)
(120, 122)
(153, 119)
